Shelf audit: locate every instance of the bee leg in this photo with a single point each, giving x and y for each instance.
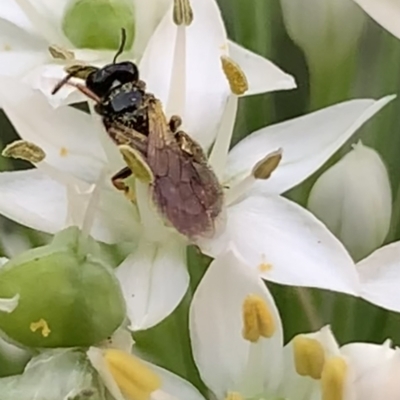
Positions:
(118, 182)
(174, 123)
(118, 179)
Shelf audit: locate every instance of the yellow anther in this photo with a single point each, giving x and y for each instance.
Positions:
(257, 319)
(234, 396)
(59, 53)
(42, 326)
(137, 164)
(265, 167)
(333, 379)
(183, 13)
(309, 356)
(133, 378)
(235, 75)
(25, 151)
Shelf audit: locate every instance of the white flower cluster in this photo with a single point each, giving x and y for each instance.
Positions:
(236, 332)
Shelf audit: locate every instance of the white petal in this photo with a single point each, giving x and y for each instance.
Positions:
(385, 12)
(116, 219)
(147, 16)
(307, 143)
(11, 12)
(47, 75)
(68, 136)
(175, 386)
(375, 368)
(222, 355)
(262, 75)
(354, 199)
(205, 87)
(96, 358)
(33, 199)
(286, 244)
(154, 280)
(380, 277)
(19, 50)
(45, 16)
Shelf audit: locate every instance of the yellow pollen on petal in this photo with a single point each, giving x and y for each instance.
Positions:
(265, 267)
(234, 396)
(257, 319)
(133, 378)
(63, 152)
(333, 379)
(309, 356)
(7, 47)
(183, 13)
(41, 325)
(235, 75)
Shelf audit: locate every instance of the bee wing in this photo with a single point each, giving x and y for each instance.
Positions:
(187, 192)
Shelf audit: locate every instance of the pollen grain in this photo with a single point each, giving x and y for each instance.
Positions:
(42, 326)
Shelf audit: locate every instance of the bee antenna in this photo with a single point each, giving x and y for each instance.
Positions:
(64, 81)
(121, 45)
(75, 71)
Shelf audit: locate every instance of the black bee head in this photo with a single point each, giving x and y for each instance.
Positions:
(113, 75)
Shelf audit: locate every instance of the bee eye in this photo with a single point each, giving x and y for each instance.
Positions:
(111, 76)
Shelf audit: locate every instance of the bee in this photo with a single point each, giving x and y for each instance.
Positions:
(184, 188)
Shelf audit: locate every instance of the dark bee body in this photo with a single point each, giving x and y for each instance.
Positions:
(185, 188)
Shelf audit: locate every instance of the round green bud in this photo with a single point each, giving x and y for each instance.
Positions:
(67, 296)
(97, 24)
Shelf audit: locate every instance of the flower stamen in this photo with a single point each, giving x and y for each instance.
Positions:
(24, 150)
(133, 378)
(60, 53)
(183, 13)
(265, 167)
(233, 396)
(235, 75)
(309, 357)
(333, 379)
(257, 319)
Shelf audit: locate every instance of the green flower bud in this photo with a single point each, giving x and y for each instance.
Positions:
(97, 24)
(66, 295)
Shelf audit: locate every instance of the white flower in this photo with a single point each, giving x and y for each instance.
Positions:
(154, 278)
(127, 377)
(237, 337)
(380, 277)
(354, 199)
(385, 12)
(336, 24)
(29, 29)
(372, 371)
(284, 242)
(356, 371)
